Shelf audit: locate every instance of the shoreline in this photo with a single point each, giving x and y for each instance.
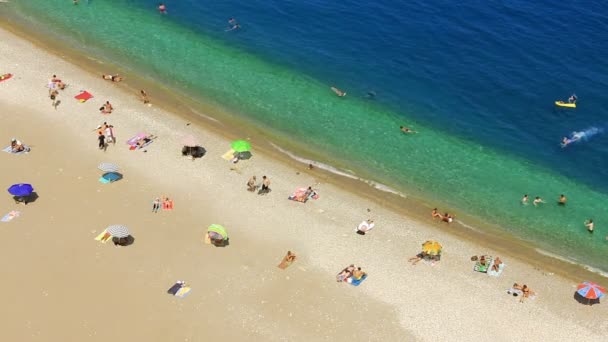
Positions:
(222, 122)
(338, 206)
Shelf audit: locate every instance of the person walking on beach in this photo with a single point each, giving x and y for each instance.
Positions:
(562, 200)
(144, 96)
(53, 94)
(156, 205)
(102, 141)
(265, 186)
(109, 132)
(537, 201)
(589, 224)
(524, 200)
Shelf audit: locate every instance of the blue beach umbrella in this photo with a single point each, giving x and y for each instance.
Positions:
(21, 189)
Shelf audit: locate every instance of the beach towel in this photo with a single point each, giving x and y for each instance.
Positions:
(9, 149)
(493, 273)
(83, 96)
(179, 289)
(101, 236)
(10, 216)
(356, 282)
(483, 268)
(133, 141)
(229, 155)
(5, 77)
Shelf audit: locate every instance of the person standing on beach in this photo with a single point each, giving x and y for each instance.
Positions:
(589, 224)
(265, 185)
(144, 96)
(109, 133)
(524, 199)
(562, 200)
(156, 205)
(102, 141)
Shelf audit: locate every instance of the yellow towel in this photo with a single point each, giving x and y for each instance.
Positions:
(228, 155)
(100, 237)
(182, 291)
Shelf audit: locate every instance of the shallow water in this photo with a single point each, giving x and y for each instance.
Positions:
(477, 81)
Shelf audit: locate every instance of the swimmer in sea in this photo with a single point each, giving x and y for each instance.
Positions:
(232, 21)
(572, 98)
(406, 130)
(562, 200)
(537, 200)
(162, 8)
(338, 91)
(565, 141)
(589, 225)
(524, 200)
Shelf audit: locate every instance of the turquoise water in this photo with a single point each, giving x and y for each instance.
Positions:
(441, 164)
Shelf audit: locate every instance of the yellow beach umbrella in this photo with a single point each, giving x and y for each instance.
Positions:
(431, 247)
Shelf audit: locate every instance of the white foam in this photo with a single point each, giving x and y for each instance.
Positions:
(572, 261)
(203, 115)
(336, 171)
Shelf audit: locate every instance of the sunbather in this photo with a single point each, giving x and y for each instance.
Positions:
(288, 259)
(417, 258)
(365, 227)
(496, 265)
(346, 273)
(525, 290)
(141, 142)
(57, 82)
(113, 78)
(482, 260)
(358, 274)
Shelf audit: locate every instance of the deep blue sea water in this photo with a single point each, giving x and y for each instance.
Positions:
(478, 79)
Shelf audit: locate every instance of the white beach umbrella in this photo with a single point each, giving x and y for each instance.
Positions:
(118, 231)
(108, 167)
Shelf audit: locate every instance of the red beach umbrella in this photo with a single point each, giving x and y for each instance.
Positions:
(590, 290)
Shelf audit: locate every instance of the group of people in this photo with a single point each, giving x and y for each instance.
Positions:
(106, 108)
(113, 78)
(561, 201)
(252, 185)
(105, 135)
(522, 290)
(446, 217)
(165, 204)
(483, 261)
(350, 274)
(17, 146)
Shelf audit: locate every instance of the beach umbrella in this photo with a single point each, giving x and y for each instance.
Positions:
(218, 229)
(21, 189)
(111, 176)
(108, 167)
(118, 231)
(590, 290)
(240, 146)
(431, 247)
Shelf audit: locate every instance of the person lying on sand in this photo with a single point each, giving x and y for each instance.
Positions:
(141, 142)
(496, 265)
(288, 259)
(417, 258)
(525, 290)
(346, 273)
(365, 227)
(338, 91)
(113, 78)
(482, 260)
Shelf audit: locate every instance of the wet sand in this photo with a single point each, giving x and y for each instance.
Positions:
(69, 286)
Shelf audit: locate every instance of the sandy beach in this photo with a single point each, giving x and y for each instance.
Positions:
(61, 284)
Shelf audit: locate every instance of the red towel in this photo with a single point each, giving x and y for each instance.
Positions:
(84, 96)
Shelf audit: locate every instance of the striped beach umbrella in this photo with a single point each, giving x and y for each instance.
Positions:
(118, 231)
(590, 290)
(108, 167)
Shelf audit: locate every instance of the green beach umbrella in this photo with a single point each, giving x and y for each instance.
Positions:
(216, 228)
(240, 146)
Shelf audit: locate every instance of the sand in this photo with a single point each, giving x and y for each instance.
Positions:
(60, 284)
